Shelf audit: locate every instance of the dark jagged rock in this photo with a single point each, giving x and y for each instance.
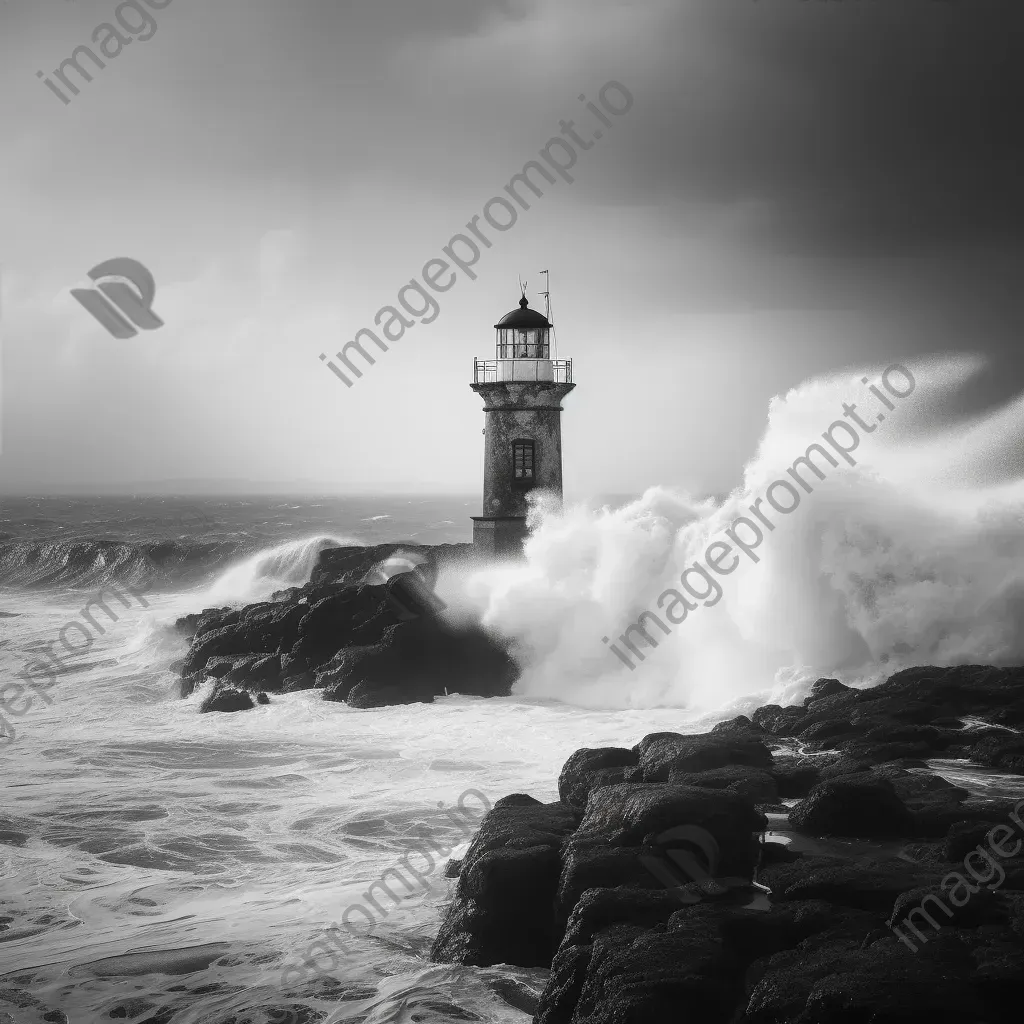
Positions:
(227, 698)
(662, 752)
(740, 727)
(825, 688)
(220, 666)
(964, 836)
(794, 776)
(1005, 752)
(754, 783)
(932, 801)
(860, 886)
(779, 721)
(367, 641)
(637, 974)
(300, 681)
(501, 912)
(590, 767)
(845, 764)
(835, 982)
(854, 805)
(196, 624)
(625, 814)
(370, 695)
(256, 671)
(220, 641)
(626, 950)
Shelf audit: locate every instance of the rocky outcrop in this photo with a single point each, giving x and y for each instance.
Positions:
(360, 639)
(651, 893)
(229, 698)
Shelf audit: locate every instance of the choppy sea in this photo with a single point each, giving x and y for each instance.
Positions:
(160, 866)
(167, 867)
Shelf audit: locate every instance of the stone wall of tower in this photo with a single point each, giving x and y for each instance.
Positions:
(520, 412)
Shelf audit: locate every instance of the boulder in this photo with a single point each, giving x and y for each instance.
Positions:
(754, 783)
(627, 814)
(227, 699)
(779, 721)
(854, 805)
(794, 776)
(605, 765)
(501, 911)
(1005, 752)
(841, 982)
(257, 672)
(635, 974)
(225, 640)
(631, 956)
(739, 727)
(660, 753)
(195, 625)
(825, 688)
(932, 800)
(863, 886)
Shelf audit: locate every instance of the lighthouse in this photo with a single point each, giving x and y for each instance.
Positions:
(522, 388)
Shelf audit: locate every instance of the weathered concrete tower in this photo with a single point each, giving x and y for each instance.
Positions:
(522, 388)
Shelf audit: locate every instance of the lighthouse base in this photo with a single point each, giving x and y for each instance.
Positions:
(499, 535)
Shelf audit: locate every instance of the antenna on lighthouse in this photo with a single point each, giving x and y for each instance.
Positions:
(547, 311)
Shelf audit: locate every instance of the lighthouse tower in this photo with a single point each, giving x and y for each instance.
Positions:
(522, 389)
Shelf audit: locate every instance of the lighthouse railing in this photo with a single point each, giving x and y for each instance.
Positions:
(497, 371)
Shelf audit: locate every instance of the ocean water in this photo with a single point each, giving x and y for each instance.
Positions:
(167, 867)
(161, 865)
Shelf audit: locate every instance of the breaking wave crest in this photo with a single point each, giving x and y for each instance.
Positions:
(911, 555)
(84, 563)
(286, 565)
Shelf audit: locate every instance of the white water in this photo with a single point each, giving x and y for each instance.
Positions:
(150, 827)
(257, 577)
(915, 555)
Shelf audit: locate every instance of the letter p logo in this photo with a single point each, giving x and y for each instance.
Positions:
(694, 851)
(409, 578)
(133, 304)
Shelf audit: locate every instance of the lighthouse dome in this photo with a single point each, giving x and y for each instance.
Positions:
(523, 317)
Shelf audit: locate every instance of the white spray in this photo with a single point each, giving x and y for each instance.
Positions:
(913, 555)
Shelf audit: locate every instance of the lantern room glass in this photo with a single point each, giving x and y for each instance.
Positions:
(523, 343)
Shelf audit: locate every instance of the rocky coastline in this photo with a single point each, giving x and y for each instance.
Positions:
(366, 642)
(806, 865)
(830, 832)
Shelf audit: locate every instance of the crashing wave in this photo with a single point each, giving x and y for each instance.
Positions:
(87, 563)
(286, 565)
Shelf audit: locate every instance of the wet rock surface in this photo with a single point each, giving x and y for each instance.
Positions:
(650, 891)
(361, 640)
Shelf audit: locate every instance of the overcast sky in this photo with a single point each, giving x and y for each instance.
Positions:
(798, 186)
